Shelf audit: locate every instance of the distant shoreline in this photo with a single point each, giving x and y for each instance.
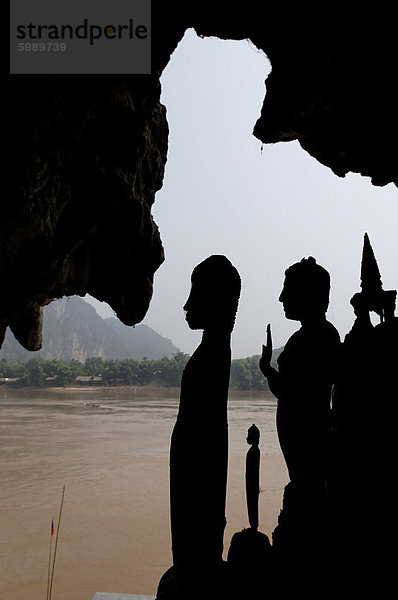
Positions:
(127, 388)
(88, 388)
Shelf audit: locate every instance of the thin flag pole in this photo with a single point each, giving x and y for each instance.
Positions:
(49, 558)
(56, 543)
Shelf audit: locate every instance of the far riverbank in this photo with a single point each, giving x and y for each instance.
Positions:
(145, 389)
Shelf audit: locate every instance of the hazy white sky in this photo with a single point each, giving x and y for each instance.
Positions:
(264, 208)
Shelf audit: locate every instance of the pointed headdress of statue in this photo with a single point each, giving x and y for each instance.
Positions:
(370, 275)
(371, 284)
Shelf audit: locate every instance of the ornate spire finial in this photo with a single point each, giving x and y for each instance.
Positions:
(371, 283)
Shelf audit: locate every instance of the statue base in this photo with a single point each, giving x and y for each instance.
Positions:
(195, 582)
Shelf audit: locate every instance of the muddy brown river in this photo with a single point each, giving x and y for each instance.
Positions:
(109, 447)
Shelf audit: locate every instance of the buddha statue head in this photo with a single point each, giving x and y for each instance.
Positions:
(214, 296)
(306, 289)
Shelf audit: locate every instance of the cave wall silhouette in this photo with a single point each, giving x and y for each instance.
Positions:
(87, 153)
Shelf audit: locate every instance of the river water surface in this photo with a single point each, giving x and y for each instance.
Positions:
(109, 447)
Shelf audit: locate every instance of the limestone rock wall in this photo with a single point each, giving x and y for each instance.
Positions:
(87, 160)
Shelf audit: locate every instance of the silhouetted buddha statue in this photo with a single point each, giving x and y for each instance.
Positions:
(359, 384)
(386, 336)
(199, 442)
(385, 376)
(303, 385)
(365, 433)
(353, 388)
(307, 371)
(253, 475)
(250, 552)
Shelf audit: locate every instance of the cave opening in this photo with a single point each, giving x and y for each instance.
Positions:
(264, 206)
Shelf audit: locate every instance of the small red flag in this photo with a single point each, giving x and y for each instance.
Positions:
(52, 527)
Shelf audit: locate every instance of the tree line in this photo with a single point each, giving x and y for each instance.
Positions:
(167, 372)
